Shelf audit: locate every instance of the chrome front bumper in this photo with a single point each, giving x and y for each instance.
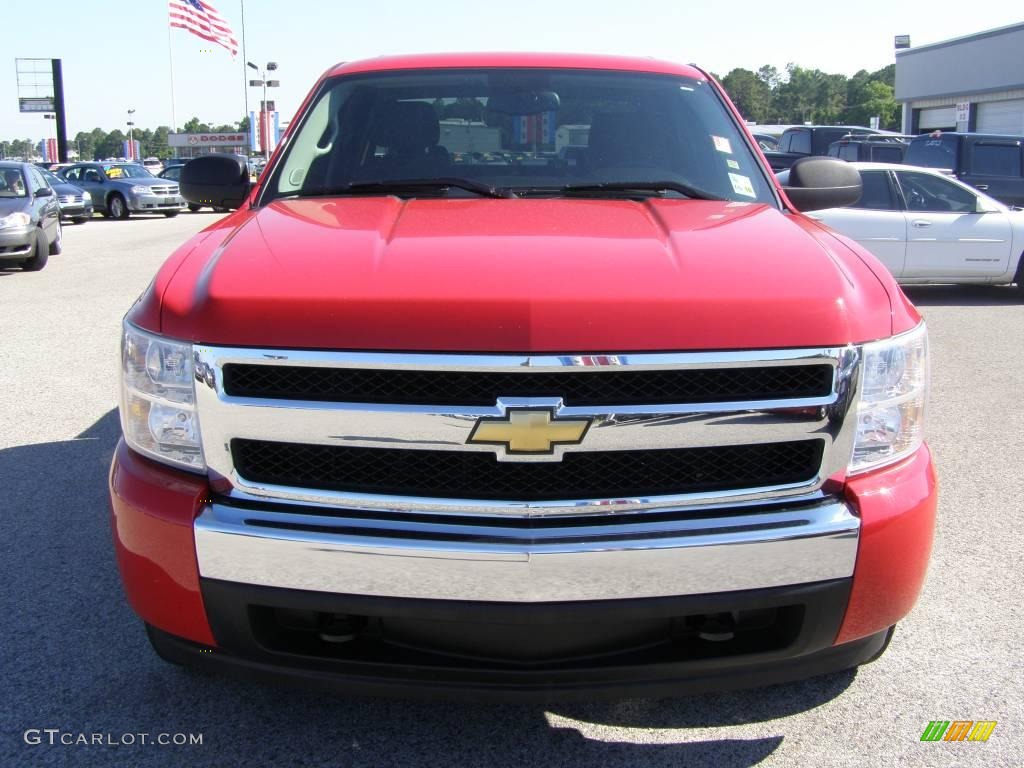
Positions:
(681, 552)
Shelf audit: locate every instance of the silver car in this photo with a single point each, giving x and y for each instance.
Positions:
(121, 189)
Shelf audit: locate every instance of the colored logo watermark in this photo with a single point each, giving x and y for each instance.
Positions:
(958, 730)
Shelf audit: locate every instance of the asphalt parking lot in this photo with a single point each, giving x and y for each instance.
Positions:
(75, 658)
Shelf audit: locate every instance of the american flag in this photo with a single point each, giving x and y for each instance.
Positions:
(202, 20)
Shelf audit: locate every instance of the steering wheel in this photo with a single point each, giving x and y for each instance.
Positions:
(915, 199)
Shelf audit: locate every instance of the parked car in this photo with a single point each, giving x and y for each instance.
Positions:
(75, 203)
(883, 148)
(121, 189)
(991, 163)
(30, 229)
(153, 165)
(809, 141)
(766, 141)
(635, 425)
(926, 227)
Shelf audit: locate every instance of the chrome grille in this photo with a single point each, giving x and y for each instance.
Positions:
(71, 199)
(741, 427)
(169, 189)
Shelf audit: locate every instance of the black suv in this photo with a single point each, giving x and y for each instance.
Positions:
(806, 140)
(870, 149)
(989, 162)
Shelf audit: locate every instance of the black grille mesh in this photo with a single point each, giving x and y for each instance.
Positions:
(470, 475)
(600, 387)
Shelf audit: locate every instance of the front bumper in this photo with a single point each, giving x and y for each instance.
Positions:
(16, 243)
(76, 210)
(560, 651)
(155, 203)
(808, 601)
(528, 560)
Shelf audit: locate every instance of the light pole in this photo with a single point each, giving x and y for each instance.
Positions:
(264, 110)
(131, 142)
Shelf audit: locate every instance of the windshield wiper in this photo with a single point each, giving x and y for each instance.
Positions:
(399, 186)
(655, 187)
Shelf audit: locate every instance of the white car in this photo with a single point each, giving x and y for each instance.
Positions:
(153, 165)
(929, 228)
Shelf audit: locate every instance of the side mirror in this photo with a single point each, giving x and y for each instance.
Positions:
(44, 192)
(816, 183)
(221, 181)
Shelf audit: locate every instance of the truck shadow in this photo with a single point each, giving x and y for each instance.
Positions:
(963, 295)
(77, 658)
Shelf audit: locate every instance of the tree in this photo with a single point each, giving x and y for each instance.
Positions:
(112, 145)
(871, 98)
(194, 126)
(749, 93)
(769, 75)
(810, 96)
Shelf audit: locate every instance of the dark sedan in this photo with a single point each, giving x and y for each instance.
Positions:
(75, 203)
(30, 229)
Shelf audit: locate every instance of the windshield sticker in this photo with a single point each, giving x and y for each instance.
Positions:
(733, 164)
(741, 185)
(722, 144)
(114, 173)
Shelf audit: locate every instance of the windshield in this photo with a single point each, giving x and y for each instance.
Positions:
(127, 171)
(51, 177)
(517, 132)
(933, 152)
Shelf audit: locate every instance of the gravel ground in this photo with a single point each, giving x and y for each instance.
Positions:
(76, 659)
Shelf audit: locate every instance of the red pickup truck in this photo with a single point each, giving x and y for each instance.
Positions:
(442, 407)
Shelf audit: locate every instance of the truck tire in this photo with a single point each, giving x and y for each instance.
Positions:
(118, 207)
(170, 214)
(193, 207)
(58, 242)
(40, 254)
(80, 219)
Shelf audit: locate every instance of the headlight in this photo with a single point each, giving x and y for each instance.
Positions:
(86, 196)
(158, 414)
(15, 220)
(894, 388)
(140, 189)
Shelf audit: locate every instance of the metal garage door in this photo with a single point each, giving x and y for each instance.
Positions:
(1001, 117)
(937, 117)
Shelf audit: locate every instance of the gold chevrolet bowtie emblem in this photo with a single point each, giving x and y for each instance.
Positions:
(526, 431)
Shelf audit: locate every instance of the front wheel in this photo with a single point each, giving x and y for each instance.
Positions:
(80, 219)
(58, 242)
(40, 254)
(118, 207)
(193, 207)
(170, 214)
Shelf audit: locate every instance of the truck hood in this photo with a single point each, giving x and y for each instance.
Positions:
(522, 275)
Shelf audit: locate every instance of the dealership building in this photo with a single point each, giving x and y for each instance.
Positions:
(970, 83)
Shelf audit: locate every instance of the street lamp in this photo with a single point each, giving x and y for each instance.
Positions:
(264, 112)
(131, 142)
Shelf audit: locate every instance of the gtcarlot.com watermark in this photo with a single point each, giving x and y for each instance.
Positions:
(56, 737)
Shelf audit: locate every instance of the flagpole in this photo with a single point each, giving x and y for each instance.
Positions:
(245, 76)
(170, 58)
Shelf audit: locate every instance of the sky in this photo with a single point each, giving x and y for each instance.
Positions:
(118, 57)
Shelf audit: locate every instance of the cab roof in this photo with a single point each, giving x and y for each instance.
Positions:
(509, 59)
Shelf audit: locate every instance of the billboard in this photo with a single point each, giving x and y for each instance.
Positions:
(199, 140)
(36, 104)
